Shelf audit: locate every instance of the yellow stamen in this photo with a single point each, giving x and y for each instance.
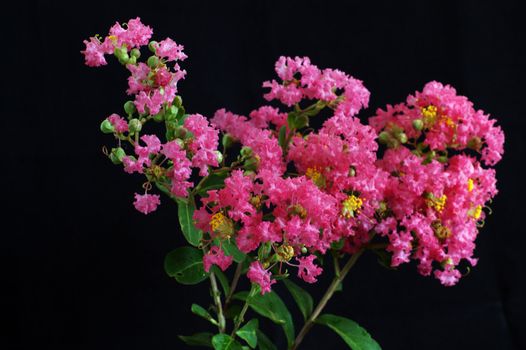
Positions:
(475, 212)
(441, 231)
(297, 209)
(429, 113)
(470, 185)
(316, 176)
(222, 225)
(437, 203)
(256, 201)
(285, 252)
(351, 205)
(449, 122)
(112, 37)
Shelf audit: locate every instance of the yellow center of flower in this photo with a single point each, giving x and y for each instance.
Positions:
(256, 201)
(297, 209)
(222, 225)
(351, 205)
(441, 232)
(285, 252)
(475, 212)
(316, 176)
(437, 203)
(448, 121)
(429, 113)
(112, 37)
(470, 185)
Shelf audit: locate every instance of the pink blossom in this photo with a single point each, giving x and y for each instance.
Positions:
(94, 54)
(136, 33)
(146, 203)
(448, 277)
(216, 256)
(180, 172)
(257, 274)
(119, 124)
(307, 270)
(169, 49)
(204, 142)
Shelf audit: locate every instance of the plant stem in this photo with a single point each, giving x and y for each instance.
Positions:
(217, 300)
(241, 316)
(328, 294)
(233, 286)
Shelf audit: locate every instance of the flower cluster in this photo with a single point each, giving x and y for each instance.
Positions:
(411, 182)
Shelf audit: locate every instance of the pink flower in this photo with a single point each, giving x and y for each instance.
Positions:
(169, 49)
(94, 54)
(257, 274)
(204, 142)
(448, 277)
(132, 165)
(180, 172)
(137, 34)
(216, 256)
(307, 270)
(119, 124)
(146, 203)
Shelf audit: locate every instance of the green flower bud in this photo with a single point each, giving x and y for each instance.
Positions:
(384, 137)
(246, 152)
(418, 124)
(129, 108)
(106, 127)
(116, 155)
(178, 101)
(181, 132)
(475, 143)
(171, 113)
(135, 125)
(219, 156)
(159, 117)
(227, 141)
(402, 137)
(352, 171)
(304, 250)
(442, 159)
(153, 61)
(132, 60)
(180, 142)
(152, 45)
(135, 53)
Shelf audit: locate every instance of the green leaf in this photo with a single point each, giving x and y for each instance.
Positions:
(264, 343)
(225, 342)
(198, 339)
(271, 306)
(185, 264)
(301, 297)
(213, 181)
(200, 311)
(248, 333)
(282, 136)
(223, 280)
(186, 212)
(355, 336)
(230, 248)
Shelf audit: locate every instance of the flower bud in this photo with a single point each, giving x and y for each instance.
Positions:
(219, 156)
(442, 159)
(246, 152)
(352, 171)
(227, 141)
(304, 250)
(418, 124)
(132, 60)
(178, 101)
(135, 125)
(402, 137)
(106, 127)
(181, 132)
(475, 143)
(152, 45)
(153, 61)
(159, 117)
(384, 137)
(129, 108)
(116, 155)
(135, 53)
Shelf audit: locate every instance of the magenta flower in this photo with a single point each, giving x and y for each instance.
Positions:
(216, 256)
(257, 274)
(146, 203)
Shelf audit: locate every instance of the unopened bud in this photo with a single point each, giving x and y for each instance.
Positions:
(106, 127)
(227, 141)
(246, 152)
(475, 143)
(153, 61)
(135, 53)
(116, 155)
(181, 132)
(129, 108)
(352, 172)
(135, 125)
(178, 101)
(219, 156)
(384, 137)
(159, 117)
(402, 137)
(418, 124)
(304, 250)
(152, 46)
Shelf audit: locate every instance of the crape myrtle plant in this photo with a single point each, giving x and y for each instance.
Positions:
(274, 198)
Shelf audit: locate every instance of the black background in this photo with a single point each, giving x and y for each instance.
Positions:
(83, 270)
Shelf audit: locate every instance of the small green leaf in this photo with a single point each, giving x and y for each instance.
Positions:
(282, 136)
(264, 343)
(200, 311)
(355, 336)
(213, 181)
(198, 339)
(271, 306)
(301, 297)
(248, 333)
(225, 342)
(230, 248)
(185, 264)
(185, 210)
(223, 280)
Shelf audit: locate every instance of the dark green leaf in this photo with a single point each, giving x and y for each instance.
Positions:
(301, 297)
(230, 248)
(198, 339)
(200, 311)
(271, 306)
(248, 333)
(185, 264)
(225, 342)
(223, 280)
(355, 336)
(264, 343)
(213, 181)
(282, 136)
(186, 211)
